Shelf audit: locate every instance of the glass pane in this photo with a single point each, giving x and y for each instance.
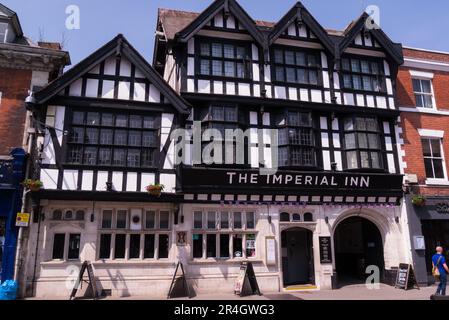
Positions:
(302, 76)
(121, 219)
(120, 246)
(230, 114)
(347, 82)
(224, 220)
(205, 49)
(134, 138)
(300, 58)
(313, 77)
(197, 249)
(280, 74)
(371, 124)
(240, 70)
(428, 102)
(163, 246)
(119, 157)
(218, 113)
(237, 242)
(198, 220)
(367, 84)
(93, 119)
(364, 156)
(373, 141)
(135, 121)
(375, 160)
(217, 68)
(436, 148)
(75, 154)
(374, 67)
(360, 124)
(120, 138)
(416, 85)
(134, 246)
(150, 219)
(149, 123)
(106, 222)
(289, 57)
(438, 168)
(229, 69)
(107, 119)
(351, 158)
(355, 65)
(216, 50)
(420, 100)
(250, 220)
(357, 82)
(211, 220)
(224, 245)
(278, 56)
(237, 220)
(149, 139)
(345, 64)
(291, 74)
(105, 136)
(91, 136)
(147, 158)
(312, 61)
(133, 158)
(426, 147)
(77, 135)
(121, 120)
(250, 245)
(229, 51)
(350, 141)
(365, 66)
(90, 155)
(164, 218)
(205, 67)
(148, 251)
(241, 53)
(429, 168)
(363, 140)
(349, 124)
(105, 246)
(78, 117)
(58, 246)
(426, 86)
(211, 245)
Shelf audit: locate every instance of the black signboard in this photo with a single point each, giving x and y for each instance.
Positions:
(179, 287)
(90, 275)
(406, 278)
(325, 250)
(246, 283)
(195, 179)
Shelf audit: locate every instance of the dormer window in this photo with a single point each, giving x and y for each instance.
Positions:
(3, 31)
(218, 58)
(296, 66)
(363, 74)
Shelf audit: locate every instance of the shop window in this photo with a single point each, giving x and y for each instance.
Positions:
(105, 246)
(211, 244)
(120, 246)
(296, 217)
(250, 245)
(237, 245)
(58, 246)
(163, 246)
(74, 246)
(433, 158)
(285, 217)
(134, 246)
(224, 245)
(197, 246)
(308, 217)
(149, 245)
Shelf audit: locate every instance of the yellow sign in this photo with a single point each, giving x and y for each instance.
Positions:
(22, 219)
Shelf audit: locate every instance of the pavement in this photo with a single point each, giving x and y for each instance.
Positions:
(349, 292)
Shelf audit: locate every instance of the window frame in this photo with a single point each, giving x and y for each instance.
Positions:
(70, 145)
(247, 61)
(5, 34)
(381, 74)
(429, 180)
(274, 65)
(422, 93)
(66, 245)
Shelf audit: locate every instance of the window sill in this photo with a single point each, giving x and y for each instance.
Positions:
(223, 261)
(437, 182)
(137, 262)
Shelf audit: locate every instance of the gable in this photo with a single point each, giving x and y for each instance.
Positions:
(114, 78)
(298, 30)
(226, 21)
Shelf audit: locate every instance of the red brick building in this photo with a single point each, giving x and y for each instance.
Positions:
(423, 97)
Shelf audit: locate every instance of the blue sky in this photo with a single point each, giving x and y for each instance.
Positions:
(414, 23)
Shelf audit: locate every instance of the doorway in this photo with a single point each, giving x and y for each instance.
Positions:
(436, 233)
(358, 244)
(297, 257)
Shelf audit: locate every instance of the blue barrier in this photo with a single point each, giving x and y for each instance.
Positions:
(8, 290)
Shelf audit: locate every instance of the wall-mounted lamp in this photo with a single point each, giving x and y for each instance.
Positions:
(269, 219)
(176, 212)
(334, 166)
(92, 217)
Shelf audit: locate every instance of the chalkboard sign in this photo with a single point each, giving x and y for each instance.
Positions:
(246, 283)
(179, 287)
(325, 250)
(406, 278)
(90, 275)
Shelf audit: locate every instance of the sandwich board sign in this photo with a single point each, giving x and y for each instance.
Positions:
(406, 278)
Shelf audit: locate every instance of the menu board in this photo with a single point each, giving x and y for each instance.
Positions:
(270, 254)
(325, 250)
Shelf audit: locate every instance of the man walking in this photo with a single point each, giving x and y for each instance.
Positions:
(439, 264)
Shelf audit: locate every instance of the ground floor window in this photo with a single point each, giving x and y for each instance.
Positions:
(2, 239)
(134, 246)
(66, 246)
(223, 245)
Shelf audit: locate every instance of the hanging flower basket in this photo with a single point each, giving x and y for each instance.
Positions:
(419, 201)
(33, 185)
(155, 190)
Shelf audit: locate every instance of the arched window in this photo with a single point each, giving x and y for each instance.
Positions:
(308, 217)
(285, 217)
(296, 217)
(68, 215)
(57, 214)
(79, 215)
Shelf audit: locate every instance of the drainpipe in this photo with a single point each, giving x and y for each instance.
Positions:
(24, 196)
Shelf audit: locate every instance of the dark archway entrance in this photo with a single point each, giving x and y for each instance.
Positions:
(358, 244)
(297, 257)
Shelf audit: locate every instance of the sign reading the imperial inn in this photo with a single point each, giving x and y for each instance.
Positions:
(198, 178)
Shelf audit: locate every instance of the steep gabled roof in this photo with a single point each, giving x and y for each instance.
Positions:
(118, 45)
(394, 50)
(302, 14)
(216, 7)
(10, 14)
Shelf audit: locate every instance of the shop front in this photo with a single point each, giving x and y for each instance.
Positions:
(429, 228)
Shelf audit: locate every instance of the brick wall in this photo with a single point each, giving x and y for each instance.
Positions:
(412, 121)
(14, 86)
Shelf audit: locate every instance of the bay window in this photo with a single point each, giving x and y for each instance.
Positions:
(363, 74)
(362, 143)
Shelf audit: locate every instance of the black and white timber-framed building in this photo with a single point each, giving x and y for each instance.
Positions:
(331, 210)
